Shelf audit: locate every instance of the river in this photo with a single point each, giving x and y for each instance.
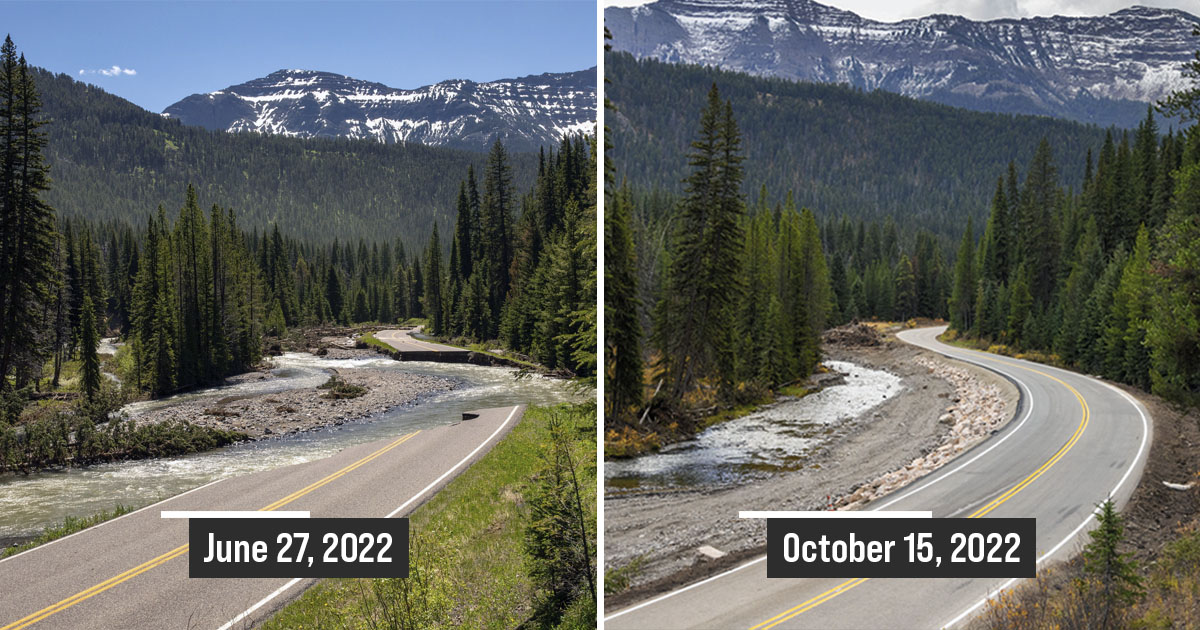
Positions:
(30, 503)
(775, 438)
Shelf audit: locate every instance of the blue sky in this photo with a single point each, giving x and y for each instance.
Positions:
(155, 53)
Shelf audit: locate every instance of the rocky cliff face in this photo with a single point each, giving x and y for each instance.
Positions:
(526, 113)
(1092, 69)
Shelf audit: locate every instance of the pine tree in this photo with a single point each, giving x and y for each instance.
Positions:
(1120, 584)
(906, 305)
(962, 299)
(495, 219)
(434, 308)
(694, 326)
(1174, 333)
(27, 228)
(90, 377)
(1186, 103)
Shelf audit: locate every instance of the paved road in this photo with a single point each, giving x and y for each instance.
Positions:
(403, 341)
(1073, 442)
(132, 572)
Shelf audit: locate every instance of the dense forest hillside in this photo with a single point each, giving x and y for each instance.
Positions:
(110, 159)
(841, 151)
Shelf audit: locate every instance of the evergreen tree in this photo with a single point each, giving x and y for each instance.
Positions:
(434, 308)
(1174, 332)
(90, 377)
(27, 226)
(962, 299)
(1120, 584)
(694, 324)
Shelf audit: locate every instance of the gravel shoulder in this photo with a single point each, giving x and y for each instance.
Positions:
(885, 448)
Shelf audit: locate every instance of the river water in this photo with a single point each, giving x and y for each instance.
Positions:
(30, 503)
(776, 438)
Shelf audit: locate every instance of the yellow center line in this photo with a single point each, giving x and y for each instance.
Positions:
(849, 584)
(29, 620)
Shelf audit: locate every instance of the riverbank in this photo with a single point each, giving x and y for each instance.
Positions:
(307, 408)
(888, 445)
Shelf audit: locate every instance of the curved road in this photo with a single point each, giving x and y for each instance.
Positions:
(1074, 442)
(132, 572)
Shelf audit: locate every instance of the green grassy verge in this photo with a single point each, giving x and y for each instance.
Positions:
(69, 526)
(371, 340)
(469, 562)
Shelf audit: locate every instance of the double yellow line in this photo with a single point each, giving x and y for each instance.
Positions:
(993, 504)
(183, 549)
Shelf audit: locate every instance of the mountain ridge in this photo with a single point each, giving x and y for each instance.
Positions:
(525, 112)
(1101, 69)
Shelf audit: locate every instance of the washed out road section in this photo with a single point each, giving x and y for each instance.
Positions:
(404, 341)
(127, 573)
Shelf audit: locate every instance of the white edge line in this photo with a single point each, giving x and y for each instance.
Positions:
(836, 514)
(684, 589)
(456, 466)
(949, 471)
(234, 514)
(99, 525)
(262, 602)
(285, 587)
(959, 466)
(1141, 451)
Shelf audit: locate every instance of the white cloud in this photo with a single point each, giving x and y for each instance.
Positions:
(115, 71)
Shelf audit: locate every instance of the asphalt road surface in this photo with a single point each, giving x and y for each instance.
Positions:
(132, 572)
(1074, 442)
(403, 341)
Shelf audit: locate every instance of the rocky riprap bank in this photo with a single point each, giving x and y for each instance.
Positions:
(976, 411)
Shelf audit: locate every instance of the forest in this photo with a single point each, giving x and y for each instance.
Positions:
(1091, 264)
(114, 161)
(738, 301)
(197, 297)
(1105, 280)
(841, 151)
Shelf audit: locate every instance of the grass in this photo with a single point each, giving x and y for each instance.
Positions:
(732, 413)
(619, 579)
(797, 391)
(952, 338)
(68, 526)
(371, 340)
(468, 567)
(338, 389)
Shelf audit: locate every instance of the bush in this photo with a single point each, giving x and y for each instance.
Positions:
(338, 389)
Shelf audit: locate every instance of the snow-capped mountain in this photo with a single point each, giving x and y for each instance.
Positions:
(1095, 69)
(525, 113)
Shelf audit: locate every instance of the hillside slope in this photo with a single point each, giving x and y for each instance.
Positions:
(839, 149)
(111, 159)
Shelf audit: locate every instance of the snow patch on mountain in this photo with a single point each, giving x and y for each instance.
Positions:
(1096, 69)
(526, 113)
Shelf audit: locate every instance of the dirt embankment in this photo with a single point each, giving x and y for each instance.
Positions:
(885, 448)
(1156, 513)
